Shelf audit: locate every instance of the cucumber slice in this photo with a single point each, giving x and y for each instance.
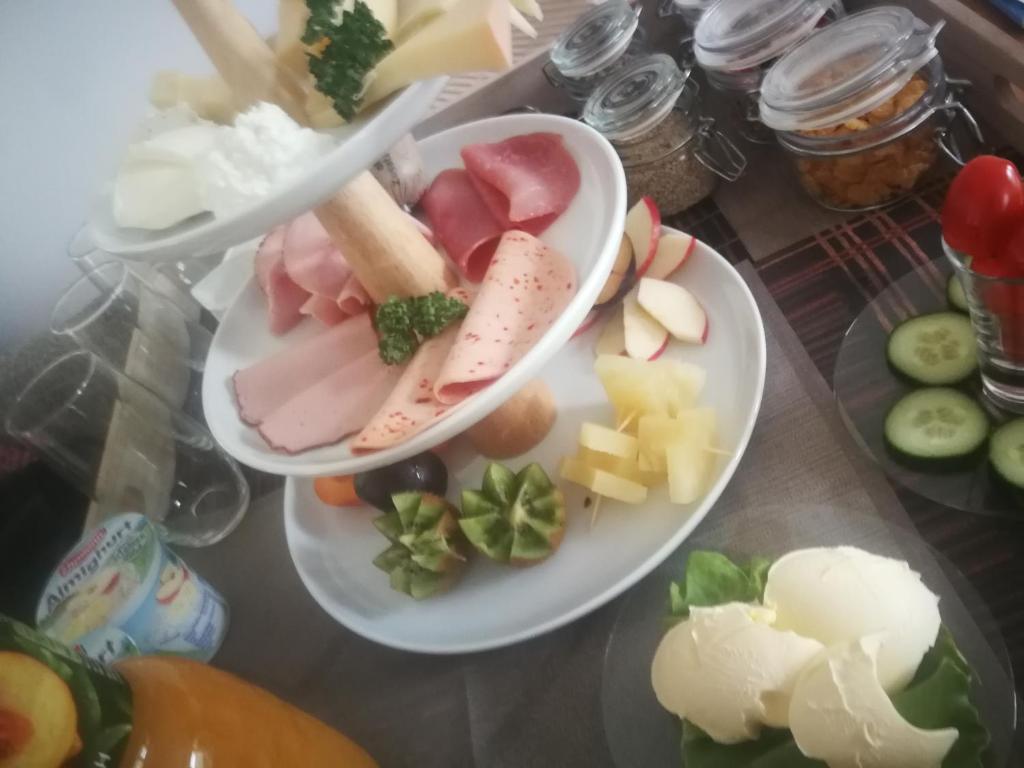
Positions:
(938, 348)
(955, 294)
(936, 428)
(1006, 453)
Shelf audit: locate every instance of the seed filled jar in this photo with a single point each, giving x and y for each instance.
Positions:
(864, 108)
(593, 47)
(650, 112)
(737, 41)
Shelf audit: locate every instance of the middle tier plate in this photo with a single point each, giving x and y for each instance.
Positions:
(588, 234)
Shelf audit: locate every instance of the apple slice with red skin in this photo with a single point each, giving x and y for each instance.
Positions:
(612, 340)
(645, 337)
(643, 228)
(675, 308)
(674, 248)
(618, 281)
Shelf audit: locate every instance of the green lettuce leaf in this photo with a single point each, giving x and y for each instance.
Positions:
(937, 697)
(712, 579)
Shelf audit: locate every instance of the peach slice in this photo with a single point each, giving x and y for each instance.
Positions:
(38, 719)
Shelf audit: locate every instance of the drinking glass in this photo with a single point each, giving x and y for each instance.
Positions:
(997, 313)
(170, 280)
(114, 314)
(129, 451)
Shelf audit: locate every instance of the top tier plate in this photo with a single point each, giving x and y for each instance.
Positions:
(360, 143)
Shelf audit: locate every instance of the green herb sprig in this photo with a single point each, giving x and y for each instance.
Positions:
(403, 324)
(345, 47)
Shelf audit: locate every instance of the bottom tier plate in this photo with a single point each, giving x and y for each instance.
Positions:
(494, 605)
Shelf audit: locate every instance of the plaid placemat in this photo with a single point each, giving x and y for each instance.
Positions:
(822, 283)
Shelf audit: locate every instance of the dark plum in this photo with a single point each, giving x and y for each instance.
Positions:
(422, 472)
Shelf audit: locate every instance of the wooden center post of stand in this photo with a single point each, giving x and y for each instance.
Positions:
(386, 251)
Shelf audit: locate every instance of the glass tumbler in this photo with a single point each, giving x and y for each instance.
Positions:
(129, 451)
(997, 314)
(111, 312)
(173, 280)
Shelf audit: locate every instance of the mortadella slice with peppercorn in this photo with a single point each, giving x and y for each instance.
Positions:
(411, 407)
(526, 288)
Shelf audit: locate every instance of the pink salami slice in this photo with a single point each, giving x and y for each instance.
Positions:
(497, 203)
(462, 223)
(284, 297)
(312, 260)
(525, 290)
(265, 386)
(353, 298)
(528, 176)
(324, 309)
(333, 408)
(411, 407)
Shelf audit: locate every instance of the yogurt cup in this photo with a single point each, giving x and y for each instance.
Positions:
(120, 579)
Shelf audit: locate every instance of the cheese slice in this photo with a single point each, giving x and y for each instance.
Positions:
(413, 15)
(473, 35)
(291, 24)
(530, 8)
(386, 12)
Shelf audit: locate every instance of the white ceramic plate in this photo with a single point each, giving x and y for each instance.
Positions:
(494, 605)
(360, 143)
(587, 233)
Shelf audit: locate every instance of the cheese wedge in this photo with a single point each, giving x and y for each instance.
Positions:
(473, 35)
(413, 15)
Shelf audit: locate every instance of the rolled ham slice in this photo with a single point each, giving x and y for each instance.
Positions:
(527, 286)
(411, 407)
(311, 259)
(354, 298)
(324, 309)
(524, 177)
(333, 408)
(267, 385)
(462, 222)
(284, 297)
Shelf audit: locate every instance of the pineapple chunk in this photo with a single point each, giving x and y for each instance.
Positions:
(656, 433)
(626, 468)
(639, 387)
(601, 482)
(606, 440)
(689, 466)
(685, 382)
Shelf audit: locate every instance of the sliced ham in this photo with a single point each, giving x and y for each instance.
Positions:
(284, 297)
(311, 259)
(267, 385)
(526, 176)
(353, 298)
(525, 290)
(411, 407)
(333, 408)
(497, 204)
(462, 222)
(324, 309)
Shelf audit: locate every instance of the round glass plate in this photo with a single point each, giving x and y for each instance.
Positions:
(866, 389)
(641, 733)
